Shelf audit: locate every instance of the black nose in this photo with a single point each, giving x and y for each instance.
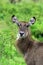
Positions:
(21, 33)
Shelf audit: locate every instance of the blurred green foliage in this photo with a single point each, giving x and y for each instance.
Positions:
(8, 31)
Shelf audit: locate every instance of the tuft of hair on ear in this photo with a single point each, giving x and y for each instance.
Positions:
(13, 16)
(34, 18)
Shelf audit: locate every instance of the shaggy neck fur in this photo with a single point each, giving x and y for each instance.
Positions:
(25, 44)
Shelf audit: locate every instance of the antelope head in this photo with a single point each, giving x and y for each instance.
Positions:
(23, 26)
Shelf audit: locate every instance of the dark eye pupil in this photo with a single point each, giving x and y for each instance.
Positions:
(27, 25)
(19, 24)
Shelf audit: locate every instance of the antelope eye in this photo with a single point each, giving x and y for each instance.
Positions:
(19, 24)
(27, 25)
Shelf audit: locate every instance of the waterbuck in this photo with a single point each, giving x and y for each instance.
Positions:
(31, 49)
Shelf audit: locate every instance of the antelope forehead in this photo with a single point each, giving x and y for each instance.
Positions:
(22, 29)
(23, 23)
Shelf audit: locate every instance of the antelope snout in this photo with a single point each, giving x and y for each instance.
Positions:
(21, 33)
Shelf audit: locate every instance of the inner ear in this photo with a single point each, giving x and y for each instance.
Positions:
(32, 20)
(15, 20)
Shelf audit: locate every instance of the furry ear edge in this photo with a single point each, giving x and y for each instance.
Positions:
(32, 20)
(13, 16)
(15, 20)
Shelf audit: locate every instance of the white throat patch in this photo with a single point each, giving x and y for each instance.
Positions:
(18, 36)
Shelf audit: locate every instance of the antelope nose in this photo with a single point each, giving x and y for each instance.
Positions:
(21, 33)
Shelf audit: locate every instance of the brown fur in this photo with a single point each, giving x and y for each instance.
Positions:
(32, 51)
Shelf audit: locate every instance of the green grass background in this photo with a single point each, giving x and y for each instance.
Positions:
(8, 30)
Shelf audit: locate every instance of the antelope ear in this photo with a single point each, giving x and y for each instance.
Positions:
(32, 20)
(14, 19)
